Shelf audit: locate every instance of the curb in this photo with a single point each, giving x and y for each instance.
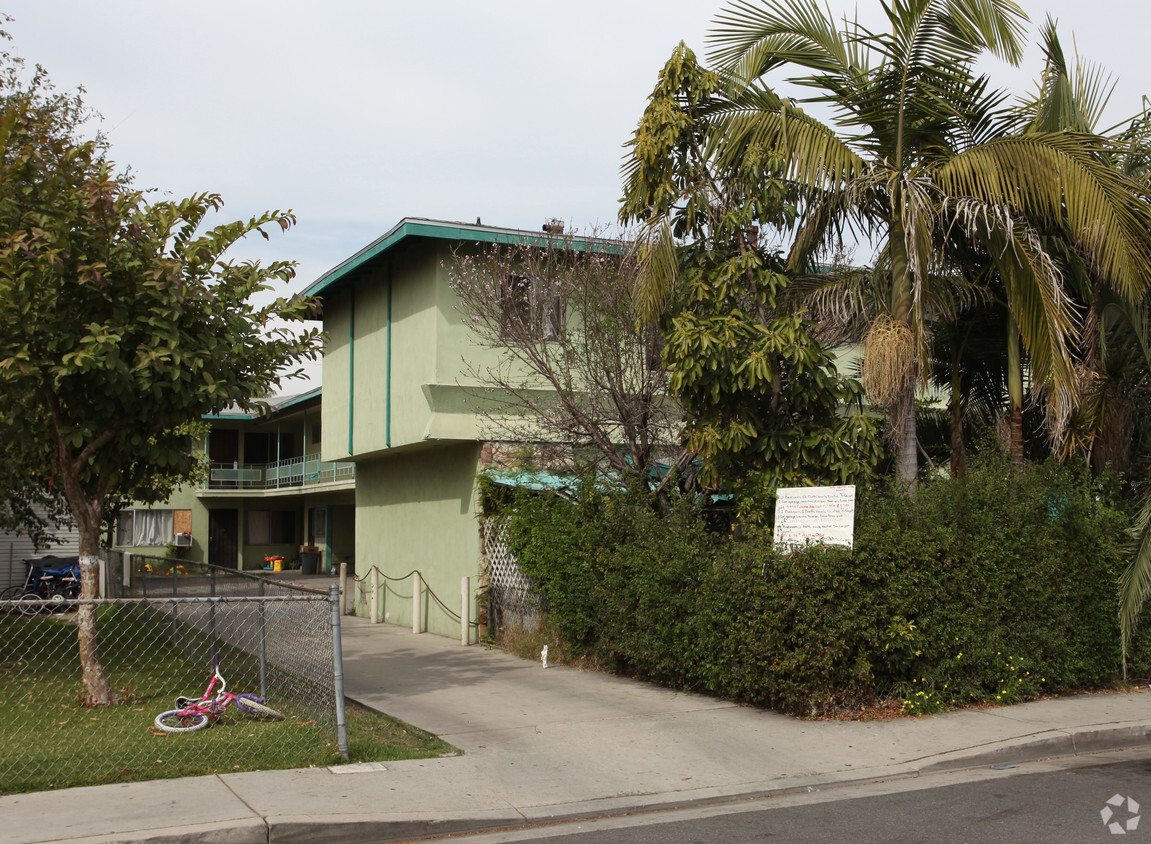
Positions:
(368, 828)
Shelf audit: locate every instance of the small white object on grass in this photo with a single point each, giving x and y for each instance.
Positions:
(544, 656)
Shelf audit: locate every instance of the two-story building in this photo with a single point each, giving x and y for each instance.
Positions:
(382, 469)
(399, 404)
(266, 492)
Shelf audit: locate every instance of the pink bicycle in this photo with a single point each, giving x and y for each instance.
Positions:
(191, 714)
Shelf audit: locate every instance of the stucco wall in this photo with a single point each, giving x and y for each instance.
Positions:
(416, 510)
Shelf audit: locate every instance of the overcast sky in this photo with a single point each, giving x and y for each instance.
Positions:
(357, 114)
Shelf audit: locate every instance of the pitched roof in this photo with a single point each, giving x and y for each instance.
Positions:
(419, 227)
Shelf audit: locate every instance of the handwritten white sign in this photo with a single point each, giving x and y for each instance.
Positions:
(815, 514)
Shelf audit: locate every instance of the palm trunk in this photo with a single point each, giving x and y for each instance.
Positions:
(903, 408)
(1015, 395)
(958, 447)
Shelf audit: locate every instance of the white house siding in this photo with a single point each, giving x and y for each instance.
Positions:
(16, 547)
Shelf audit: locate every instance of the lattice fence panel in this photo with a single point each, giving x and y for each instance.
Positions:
(511, 592)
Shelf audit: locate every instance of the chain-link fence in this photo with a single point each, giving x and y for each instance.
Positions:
(276, 642)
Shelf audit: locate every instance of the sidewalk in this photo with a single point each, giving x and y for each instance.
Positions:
(546, 744)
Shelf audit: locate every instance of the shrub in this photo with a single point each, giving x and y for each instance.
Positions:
(997, 587)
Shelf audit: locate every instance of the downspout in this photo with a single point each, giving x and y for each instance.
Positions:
(388, 376)
(351, 367)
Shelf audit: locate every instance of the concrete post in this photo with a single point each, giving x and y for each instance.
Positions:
(417, 588)
(465, 611)
(126, 571)
(374, 598)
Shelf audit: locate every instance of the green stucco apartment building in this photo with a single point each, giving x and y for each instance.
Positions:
(381, 469)
(397, 403)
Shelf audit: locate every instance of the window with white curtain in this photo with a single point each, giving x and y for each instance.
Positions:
(144, 528)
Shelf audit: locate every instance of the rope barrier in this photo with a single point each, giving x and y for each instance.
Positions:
(431, 592)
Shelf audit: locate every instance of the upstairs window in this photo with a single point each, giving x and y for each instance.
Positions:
(530, 308)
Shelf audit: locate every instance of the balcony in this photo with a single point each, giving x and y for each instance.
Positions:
(296, 472)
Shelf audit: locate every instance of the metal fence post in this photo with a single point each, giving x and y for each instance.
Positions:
(344, 586)
(212, 607)
(338, 673)
(465, 610)
(263, 647)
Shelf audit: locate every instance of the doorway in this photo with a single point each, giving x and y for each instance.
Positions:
(223, 538)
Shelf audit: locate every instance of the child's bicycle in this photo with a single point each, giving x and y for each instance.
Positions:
(191, 714)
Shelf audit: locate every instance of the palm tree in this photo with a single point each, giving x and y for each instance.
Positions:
(920, 156)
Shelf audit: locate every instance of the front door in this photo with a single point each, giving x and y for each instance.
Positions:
(223, 534)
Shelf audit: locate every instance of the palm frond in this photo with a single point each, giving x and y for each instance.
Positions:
(658, 271)
(1058, 180)
(1066, 98)
(1135, 582)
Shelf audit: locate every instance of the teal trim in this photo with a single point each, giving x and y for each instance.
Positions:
(414, 227)
(300, 399)
(388, 373)
(351, 367)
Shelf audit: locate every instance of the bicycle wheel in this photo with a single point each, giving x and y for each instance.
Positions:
(180, 721)
(33, 604)
(254, 706)
(12, 593)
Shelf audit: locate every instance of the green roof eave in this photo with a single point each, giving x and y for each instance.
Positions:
(273, 407)
(413, 227)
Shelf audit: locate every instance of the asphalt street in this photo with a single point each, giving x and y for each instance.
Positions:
(1098, 798)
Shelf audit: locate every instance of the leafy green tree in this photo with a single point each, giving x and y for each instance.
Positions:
(920, 155)
(123, 324)
(761, 394)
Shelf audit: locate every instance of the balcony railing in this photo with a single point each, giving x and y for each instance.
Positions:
(294, 472)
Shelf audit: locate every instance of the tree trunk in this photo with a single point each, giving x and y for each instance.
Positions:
(903, 408)
(908, 456)
(96, 681)
(958, 448)
(1015, 395)
(954, 406)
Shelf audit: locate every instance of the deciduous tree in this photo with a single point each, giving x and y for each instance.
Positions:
(124, 321)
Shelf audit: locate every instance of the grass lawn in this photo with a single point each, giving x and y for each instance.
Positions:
(49, 739)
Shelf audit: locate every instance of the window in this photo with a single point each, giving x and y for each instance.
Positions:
(271, 527)
(145, 528)
(261, 448)
(530, 309)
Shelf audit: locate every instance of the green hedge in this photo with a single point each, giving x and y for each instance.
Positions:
(997, 588)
